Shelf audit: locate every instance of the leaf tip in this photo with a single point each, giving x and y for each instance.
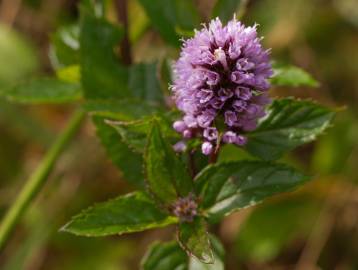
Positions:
(65, 228)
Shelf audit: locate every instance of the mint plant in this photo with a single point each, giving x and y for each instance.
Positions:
(171, 156)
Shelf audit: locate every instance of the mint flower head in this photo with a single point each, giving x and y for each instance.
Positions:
(221, 83)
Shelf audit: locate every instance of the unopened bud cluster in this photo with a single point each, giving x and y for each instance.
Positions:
(185, 208)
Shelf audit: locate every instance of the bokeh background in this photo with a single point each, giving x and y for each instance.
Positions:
(315, 227)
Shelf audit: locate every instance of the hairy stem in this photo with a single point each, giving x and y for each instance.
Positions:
(38, 179)
(213, 157)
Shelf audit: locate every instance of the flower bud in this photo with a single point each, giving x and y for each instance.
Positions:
(207, 148)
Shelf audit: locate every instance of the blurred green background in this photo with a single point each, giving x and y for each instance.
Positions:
(315, 227)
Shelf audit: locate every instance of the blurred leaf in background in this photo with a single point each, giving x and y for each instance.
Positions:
(274, 226)
(331, 157)
(18, 57)
(172, 18)
(65, 46)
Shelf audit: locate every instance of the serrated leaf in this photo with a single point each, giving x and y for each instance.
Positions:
(164, 256)
(225, 9)
(103, 77)
(292, 76)
(169, 255)
(166, 174)
(130, 213)
(288, 124)
(167, 16)
(45, 90)
(128, 162)
(227, 187)
(194, 239)
(122, 110)
(135, 133)
(144, 83)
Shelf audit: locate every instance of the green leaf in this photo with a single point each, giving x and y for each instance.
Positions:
(103, 77)
(219, 254)
(167, 16)
(194, 239)
(166, 175)
(125, 214)
(165, 256)
(288, 124)
(65, 46)
(135, 133)
(123, 110)
(227, 187)
(45, 90)
(225, 9)
(129, 162)
(292, 76)
(169, 255)
(144, 83)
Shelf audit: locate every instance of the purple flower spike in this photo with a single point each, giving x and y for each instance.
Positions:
(221, 77)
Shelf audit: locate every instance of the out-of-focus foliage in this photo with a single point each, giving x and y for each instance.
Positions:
(43, 91)
(17, 56)
(284, 221)
(292, 76)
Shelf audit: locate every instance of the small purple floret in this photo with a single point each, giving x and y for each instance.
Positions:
(221, 76)
(180, 147)
(207, 148)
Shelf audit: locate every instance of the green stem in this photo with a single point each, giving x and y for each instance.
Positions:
(38, 178)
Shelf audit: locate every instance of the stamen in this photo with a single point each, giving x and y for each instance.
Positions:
(221, 57)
